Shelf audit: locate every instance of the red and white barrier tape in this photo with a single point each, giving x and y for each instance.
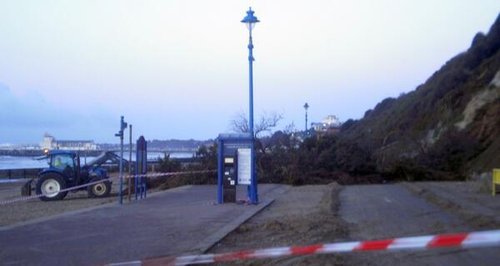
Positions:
(6, 202)
(170, 174)
(459, 240)
(42, 195)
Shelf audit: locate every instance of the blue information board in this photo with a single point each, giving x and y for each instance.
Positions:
(236, 158)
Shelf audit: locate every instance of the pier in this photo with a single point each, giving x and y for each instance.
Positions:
(92, 153)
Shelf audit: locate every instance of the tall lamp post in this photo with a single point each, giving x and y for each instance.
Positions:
(306, 106)
(250, 20)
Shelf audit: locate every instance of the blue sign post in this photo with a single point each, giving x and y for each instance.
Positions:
(141, 168)
(123, 125)
(235, 165)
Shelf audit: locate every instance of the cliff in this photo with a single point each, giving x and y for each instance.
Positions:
(447, 128)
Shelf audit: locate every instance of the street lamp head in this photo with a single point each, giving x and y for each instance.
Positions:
(306, 106)
(250, 20)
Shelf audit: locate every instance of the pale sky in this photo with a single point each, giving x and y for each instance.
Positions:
(179, 68)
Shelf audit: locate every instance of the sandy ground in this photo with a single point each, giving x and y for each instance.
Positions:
(320, 214)
(35, 209)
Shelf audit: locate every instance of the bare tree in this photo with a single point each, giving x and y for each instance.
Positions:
(239, 123)
(266, 123)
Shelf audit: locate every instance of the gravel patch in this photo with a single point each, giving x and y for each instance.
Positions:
(35, 209)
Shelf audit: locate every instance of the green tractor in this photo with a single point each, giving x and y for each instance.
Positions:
(64, 172)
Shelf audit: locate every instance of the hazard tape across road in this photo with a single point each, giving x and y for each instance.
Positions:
(62, 190)
(458, 240)
(6, 202)
(169, 174)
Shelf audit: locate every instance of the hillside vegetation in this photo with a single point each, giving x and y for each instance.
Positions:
(448, 128)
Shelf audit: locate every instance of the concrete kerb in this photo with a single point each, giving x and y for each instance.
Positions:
(216, 237)
(206, 244)
(211, 240)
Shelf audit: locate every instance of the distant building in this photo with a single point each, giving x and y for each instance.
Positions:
(330, 124)
(50, 143)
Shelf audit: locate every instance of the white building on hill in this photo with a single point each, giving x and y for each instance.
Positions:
(330, 124)
(50, 143)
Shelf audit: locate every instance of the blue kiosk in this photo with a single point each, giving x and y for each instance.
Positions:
(235, 163)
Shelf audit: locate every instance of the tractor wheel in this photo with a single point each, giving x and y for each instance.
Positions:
(49, 185)
(99, 190)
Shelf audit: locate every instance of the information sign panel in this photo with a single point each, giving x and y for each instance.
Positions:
(244, 166)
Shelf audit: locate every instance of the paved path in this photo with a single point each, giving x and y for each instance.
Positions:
(386, 211)
(174, 222)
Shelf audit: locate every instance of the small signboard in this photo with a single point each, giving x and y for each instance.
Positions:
(244, 166)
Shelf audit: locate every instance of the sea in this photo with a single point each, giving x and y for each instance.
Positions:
(23, 162)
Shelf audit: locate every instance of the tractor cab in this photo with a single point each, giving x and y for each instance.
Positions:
(65, 162)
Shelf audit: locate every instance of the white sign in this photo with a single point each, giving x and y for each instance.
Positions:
(244, 167)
